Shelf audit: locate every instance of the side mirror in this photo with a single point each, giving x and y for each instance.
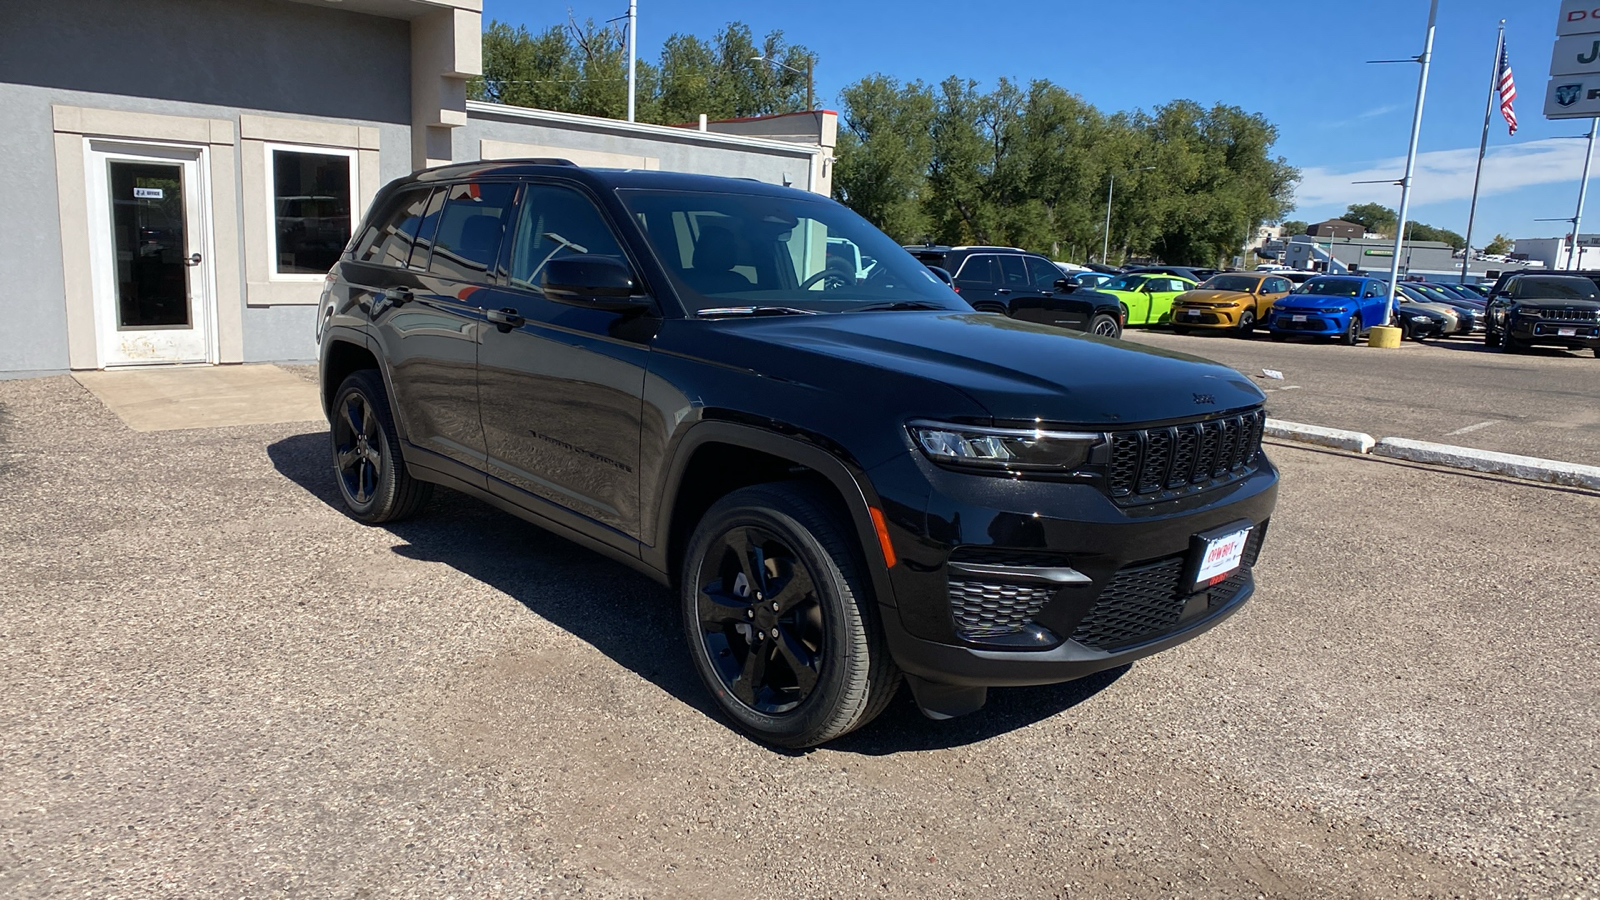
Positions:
(601, 282)
(1066, 285)
(943, 275)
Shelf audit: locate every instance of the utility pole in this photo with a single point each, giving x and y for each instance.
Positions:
(633, 52)
(1105, 244)
(1411, 155)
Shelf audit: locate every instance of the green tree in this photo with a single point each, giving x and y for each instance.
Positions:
(884, 152)
(1500, 246)
(1416, 231)
(1293, 227)
(1374, 217)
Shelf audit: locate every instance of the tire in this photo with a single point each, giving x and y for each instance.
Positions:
(1181, 330)
(1597, 353)
(1278, 336)
(1105, 326)
(1247, 323)
(828, 670)
(1509, 344)
(1353, 333)
(1491, 338)
(365, 447)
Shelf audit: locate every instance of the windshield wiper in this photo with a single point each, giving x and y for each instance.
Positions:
(898, 305)
(721, 312)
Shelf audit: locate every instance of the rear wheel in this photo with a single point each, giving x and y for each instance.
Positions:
(780, 620)
(1105, 326)
(366, 453)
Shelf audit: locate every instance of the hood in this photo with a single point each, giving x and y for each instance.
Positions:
(1214, 297)
(1316, 301)
(1018, 371)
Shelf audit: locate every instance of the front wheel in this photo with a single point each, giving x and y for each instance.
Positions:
(1353, 333)
(372, 477)
(1247, 323)
(780, 620)
(1105, 326)
(1509, 344)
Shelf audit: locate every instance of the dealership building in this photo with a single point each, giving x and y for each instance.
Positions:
(185, 171)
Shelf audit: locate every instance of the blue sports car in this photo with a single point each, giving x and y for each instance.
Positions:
(1337, 306)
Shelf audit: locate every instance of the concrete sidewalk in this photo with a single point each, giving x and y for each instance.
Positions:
(171, 398)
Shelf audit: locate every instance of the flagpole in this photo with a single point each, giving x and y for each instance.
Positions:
(1483, 145)
(1411, 156)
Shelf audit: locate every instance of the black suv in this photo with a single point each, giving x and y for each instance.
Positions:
(1024, 286)
(1557, 310)
(849, 478)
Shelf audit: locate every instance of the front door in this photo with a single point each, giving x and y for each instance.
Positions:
(149, 248)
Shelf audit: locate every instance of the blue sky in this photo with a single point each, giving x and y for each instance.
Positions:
(1303, 66)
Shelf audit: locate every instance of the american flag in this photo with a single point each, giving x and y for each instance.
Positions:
(1508, 90)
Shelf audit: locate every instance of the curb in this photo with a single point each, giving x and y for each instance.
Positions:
(1337, 438)
(1529, 467)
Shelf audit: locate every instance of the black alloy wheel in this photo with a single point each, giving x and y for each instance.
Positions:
(1353, 333)
(780, 622)
(1509, 344)
(372, 477)
(1247, 323)
(1106, 326)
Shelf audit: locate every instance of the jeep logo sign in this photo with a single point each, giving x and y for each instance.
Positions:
(1573, 91)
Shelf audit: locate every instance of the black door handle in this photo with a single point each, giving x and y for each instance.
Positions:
(1003, 291)
(504, 319)
(398, 296)
(193, 260)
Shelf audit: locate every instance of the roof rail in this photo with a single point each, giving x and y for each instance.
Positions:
(538, 161)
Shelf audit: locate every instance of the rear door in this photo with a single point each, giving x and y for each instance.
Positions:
(1043, 303)
(562, 385)
(978, 282)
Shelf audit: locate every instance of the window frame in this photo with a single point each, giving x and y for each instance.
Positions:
(508, 242)
(352, 155)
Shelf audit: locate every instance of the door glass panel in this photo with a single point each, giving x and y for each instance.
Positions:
(1044, 273)
(1014, 272)
(560, 222)
(147, 222)
(468, 240)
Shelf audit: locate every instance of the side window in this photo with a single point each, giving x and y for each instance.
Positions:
(1372, 289)
(1278, 285)
(470, 227)
(390, 239)
(978, 271)
(1043, 273)
(557, 222)
(1014, 275)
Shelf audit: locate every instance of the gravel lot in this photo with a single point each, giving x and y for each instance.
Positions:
(214, 683)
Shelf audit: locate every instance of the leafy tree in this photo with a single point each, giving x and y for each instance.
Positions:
(1416, 231)
(1374, 217)
(884, 152)
(1500, 246)
(1293, 227)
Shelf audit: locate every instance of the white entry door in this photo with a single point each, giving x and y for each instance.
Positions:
(150, 242)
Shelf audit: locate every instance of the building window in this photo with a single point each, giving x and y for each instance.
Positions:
(311, 190)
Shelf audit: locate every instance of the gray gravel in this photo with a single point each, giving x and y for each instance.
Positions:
(214, 683)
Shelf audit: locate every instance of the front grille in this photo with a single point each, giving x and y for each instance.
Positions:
(1145, 602)
(1152, 462)
(1312, 323)
(983, 609)
(1562, 315)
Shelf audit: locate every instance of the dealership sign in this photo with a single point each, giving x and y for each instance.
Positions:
(1574, 88)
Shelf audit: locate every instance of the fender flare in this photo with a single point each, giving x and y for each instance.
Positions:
(852, 486)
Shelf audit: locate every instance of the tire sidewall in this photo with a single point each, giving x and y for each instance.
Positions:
(385, 490)
(819, 708)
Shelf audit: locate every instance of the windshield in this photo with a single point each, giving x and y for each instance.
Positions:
(1126, 283)
(1332, 287)
(1244, 284)
(1555, 287)
(731, 249)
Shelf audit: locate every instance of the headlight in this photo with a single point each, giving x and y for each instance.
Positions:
(1421, 320)
(1337, 310)
(1004, 449)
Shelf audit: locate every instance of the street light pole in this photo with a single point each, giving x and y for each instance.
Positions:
(1583, 188)
(1105, 243)
(1411, 155)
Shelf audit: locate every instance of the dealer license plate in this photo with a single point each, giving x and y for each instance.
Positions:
(1191, 314)
(1297, 318)
(1566, 332)
(1221, 557)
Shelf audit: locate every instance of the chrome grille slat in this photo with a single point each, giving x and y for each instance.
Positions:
(1151, 462)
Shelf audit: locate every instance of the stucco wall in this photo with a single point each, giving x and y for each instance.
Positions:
(199, 58)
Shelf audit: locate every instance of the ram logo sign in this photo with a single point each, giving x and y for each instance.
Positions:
(1568, 94)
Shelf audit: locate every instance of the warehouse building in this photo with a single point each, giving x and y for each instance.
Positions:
(185, 171)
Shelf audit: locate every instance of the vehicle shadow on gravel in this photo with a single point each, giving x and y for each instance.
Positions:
(632, 619)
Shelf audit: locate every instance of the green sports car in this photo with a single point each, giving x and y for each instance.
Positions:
(1147, 296)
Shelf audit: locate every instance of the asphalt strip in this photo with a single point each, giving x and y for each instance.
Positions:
(1531, 468)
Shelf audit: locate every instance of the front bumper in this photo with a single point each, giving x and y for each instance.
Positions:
(1204, 317)
(1584, 335)
(1137, 561)
(1310, 323)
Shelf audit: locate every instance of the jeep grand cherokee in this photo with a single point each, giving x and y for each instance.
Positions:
(850, 481)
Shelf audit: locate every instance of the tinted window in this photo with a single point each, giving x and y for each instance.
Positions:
(468, 240)
(1332, 287)
(557, 222)
(1242, 283)
(1013, 273)
(1554, 287)
(1043, 273)
(1279, 286)
(978, 271)
(390, 243)
(1125, 283)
